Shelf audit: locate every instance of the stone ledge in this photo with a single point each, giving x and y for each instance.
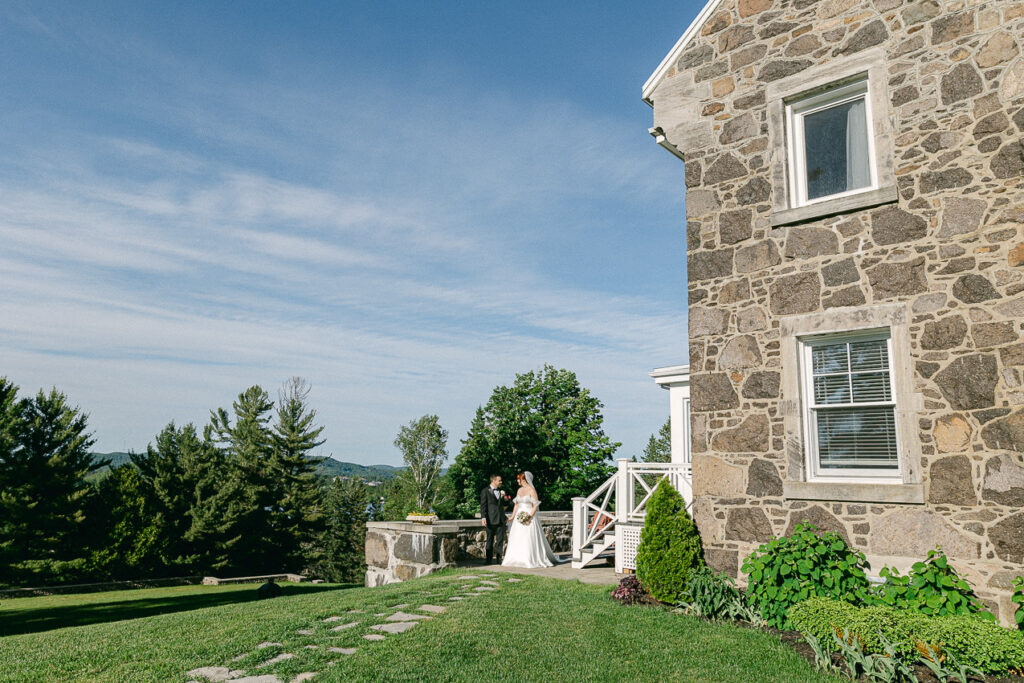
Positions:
(861, 200)
(448, 526)
(909, 494)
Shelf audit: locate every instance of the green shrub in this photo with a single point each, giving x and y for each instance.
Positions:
(670, 547)
(969, 639)
(932, 587)
(791, 569)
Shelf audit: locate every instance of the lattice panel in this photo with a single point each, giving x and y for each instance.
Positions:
(627, 542)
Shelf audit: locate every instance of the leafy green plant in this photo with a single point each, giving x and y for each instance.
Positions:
(862, 665)
(790, 569)
(1018, 599)
(971, 640)
(709, 594)
(713, 595)
(670, 548)
(932, 587)
(822, 656)
(934, 659)
(902, 671)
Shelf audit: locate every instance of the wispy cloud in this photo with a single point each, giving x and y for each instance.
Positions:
(403, 267)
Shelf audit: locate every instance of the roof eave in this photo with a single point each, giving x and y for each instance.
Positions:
(647, 92)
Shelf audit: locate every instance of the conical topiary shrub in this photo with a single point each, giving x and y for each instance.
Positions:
(670, 546)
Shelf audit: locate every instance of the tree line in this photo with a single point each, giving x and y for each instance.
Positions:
(239, 496)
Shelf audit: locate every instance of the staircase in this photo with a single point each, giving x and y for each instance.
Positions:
(618, 502)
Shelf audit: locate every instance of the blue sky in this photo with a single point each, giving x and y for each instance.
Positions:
(405, 203)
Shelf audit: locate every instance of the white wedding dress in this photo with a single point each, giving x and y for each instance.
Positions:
(527, 546)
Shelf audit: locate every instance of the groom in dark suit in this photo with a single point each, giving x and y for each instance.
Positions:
(492, 516)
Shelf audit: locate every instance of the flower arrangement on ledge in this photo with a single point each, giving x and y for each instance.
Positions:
(421, 517)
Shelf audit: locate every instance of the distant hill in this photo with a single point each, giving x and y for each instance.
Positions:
(329, 467)
(326, 467)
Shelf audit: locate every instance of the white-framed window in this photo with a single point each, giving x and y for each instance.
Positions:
(850, 412)
(831, 146)
(830, 131)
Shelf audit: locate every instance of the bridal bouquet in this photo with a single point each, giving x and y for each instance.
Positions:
(523, 518)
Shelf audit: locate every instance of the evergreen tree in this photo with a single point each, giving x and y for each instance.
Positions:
(184, 483)
(545, 423)
(297, 519)
(247, 446)
(659, 446)
(670, 547)
(343, 544)
(267, 511)
(44, 458)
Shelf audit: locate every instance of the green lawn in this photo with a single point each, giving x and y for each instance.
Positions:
(538, 629)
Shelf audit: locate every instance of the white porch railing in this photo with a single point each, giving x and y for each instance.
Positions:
(622, 499)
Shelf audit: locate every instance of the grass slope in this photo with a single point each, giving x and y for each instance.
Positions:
(539, 629)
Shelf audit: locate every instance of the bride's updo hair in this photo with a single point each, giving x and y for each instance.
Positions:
(521, 477)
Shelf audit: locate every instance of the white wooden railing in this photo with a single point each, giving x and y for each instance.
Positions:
(622, 499)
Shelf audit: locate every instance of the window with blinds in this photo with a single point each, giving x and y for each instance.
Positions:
(851, 408)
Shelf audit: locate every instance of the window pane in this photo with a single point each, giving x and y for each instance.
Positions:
(872, 354)
(829, 358)
(870, 387)
(836, 149)
(832, 389)
(850, 438)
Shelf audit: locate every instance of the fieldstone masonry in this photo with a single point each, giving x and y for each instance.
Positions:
(399, 551)
(950, 248)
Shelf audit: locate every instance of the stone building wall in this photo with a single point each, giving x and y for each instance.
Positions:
(951, 248)
(399, 551)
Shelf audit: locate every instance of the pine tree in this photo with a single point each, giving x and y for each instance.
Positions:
(343, 544)
(659, 446)
(247, 446)
(44, 458)
(296, 519)
(180, 475)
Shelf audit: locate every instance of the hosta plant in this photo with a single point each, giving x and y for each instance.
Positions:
(791, 569)
(932, 587)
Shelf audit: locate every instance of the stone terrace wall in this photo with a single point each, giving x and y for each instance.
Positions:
(399, 551)
(952, 248)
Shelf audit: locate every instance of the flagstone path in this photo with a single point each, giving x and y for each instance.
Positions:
(392, 624)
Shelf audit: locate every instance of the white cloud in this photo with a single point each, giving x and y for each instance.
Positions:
(394, 265)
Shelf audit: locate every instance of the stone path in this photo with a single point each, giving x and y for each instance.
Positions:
(398, 619)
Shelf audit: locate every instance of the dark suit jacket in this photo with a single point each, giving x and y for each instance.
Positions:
(491, 508)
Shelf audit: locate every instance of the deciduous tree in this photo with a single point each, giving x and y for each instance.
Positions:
(423, 444)
(545, 423)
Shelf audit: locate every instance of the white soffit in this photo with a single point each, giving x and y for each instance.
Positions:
(673, 56)
(675, 374)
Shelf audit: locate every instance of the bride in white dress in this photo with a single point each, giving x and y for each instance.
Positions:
(527, 545)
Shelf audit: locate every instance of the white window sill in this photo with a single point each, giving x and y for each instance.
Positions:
(851, 202)
(849, 492)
